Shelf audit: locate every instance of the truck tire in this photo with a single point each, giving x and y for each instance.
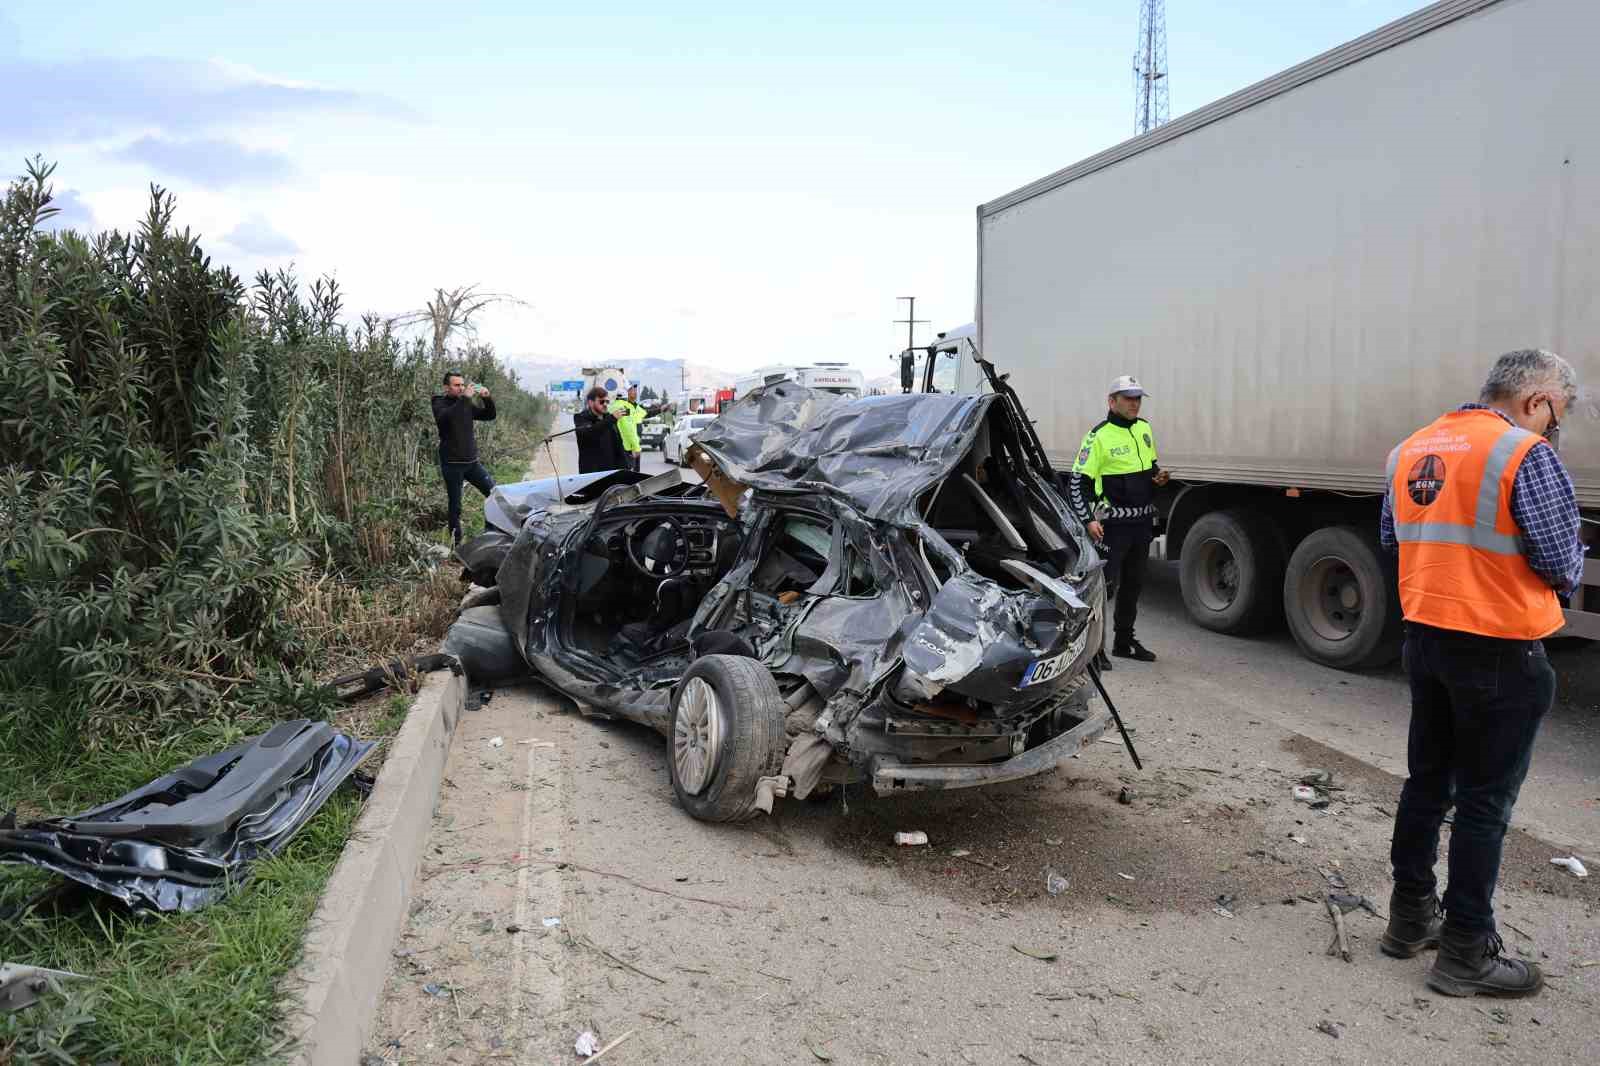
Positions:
(1231, 572)
(726, 735)
(1340, 601)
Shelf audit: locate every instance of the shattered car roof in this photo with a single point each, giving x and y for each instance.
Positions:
(878, 453)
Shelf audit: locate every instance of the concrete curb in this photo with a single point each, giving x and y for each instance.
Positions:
(333, 993)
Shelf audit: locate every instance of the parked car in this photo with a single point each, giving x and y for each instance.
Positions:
(890, 589)
(651, 434)
(675, 446)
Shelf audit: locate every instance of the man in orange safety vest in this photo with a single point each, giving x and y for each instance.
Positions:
(1485, 520)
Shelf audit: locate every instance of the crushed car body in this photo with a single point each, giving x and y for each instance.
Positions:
(184, 840)
(891, 589)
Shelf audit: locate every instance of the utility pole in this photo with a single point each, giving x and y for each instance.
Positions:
(1150, 104)
(911, 321)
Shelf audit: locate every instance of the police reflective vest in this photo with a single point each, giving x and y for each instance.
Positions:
(1461, 561)
(1117, 464)
(629, 416)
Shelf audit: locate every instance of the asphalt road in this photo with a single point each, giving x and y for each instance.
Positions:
(1191, 930)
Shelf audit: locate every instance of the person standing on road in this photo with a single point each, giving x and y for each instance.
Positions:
(1113, 493)
(1485, 520)
(630, 416)
(599, 436)
(454, 413)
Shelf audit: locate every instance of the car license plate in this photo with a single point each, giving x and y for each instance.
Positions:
(1042, 670)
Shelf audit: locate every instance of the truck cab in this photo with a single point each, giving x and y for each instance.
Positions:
(948, 365)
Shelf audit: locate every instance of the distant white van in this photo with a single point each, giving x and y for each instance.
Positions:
(839, 378)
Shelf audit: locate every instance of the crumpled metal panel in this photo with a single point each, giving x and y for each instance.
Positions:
(877, 454)
(183, 841)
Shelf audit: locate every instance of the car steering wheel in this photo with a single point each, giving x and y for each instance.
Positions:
(660, 549)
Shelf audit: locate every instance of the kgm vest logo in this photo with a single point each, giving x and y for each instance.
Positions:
(1426, 480)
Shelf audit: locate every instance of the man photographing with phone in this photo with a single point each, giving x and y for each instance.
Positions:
(454, 413)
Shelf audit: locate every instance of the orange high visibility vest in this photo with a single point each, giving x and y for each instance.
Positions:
(1461, 561)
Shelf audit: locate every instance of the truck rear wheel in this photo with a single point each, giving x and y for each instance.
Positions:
(1339, 602)
(1231, 572)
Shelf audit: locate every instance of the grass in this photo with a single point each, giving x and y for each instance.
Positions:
(171, 989)
(203, 987)
(186, 989)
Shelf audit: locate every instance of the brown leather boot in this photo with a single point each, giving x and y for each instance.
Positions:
(1414, 925)
(1470, 964)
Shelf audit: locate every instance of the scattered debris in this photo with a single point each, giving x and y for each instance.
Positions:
(818, 1053)
(21, 986)
(437, 991)
(960, 853)
(1341, 939)
(1572, 865)
(1053, 842)
(588, 1044)
(1298, 839)
(1321, 780)
(912, 839)
(1042, 956)
(986, 865)
(1054, 883)
(513, 929)
(1225, 904)
(1125, 797)
(497, 742)
(1309, 796)
(1327, 1027)
(1125, 877)
(183, 841)
(551, 923)
(609, 1046)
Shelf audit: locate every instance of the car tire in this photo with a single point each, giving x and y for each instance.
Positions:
(1341, 601)
(727, 709)
(1231, 572)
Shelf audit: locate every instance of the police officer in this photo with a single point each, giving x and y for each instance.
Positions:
(630, 416)
(1113, 494)
(1485, 520)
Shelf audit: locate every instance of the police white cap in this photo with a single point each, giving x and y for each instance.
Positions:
(1128, 385)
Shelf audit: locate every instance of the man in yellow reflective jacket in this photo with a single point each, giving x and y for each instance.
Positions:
(630, 416)
(1113, 493)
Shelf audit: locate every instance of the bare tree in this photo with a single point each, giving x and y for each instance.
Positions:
(452, 311)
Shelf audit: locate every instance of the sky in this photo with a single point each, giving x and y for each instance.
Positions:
(733, 183)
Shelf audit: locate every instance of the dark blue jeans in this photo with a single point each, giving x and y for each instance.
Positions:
(1476, 704)
(455, 475)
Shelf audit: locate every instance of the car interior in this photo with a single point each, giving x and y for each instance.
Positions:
(643, 577)
(989, 511)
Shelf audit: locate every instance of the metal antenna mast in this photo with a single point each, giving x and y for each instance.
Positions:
(1150, 68)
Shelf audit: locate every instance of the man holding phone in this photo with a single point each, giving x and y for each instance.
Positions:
(454, 413)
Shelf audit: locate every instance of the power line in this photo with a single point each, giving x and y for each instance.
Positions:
(911, 321)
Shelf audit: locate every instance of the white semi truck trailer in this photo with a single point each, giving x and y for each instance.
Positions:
(1302, 274)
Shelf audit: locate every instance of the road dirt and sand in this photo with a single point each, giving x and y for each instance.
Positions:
(564, 891)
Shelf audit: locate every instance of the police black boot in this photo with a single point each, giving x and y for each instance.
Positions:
(1132, 649)
(1470, 964)
(1414, 924)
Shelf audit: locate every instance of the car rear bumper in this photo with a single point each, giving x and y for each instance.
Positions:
(889, 775)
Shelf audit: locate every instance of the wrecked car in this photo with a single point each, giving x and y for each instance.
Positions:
(889, 590)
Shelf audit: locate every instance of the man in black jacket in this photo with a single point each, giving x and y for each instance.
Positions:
(454, 413)
(599, 441)
(1113, 492)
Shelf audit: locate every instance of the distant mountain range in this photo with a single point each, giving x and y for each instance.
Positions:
(669, 376)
